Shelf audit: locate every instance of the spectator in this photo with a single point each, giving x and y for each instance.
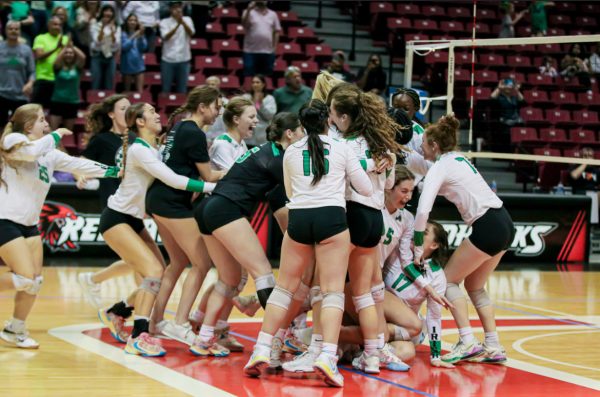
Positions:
(106, 42)
(39, 10)
(147, 13)
(509, 20)
(133, 44)
(585, 177)
(265, 109)
(573, 64)
(68, 67)
(593, 61)
(45, 49)
(547, 68)
(509, 98)
(62, 13)
(218, 127)
(68, 10)
(17, 72)
(409, 100)
(85, 14)
(262, 36)
(337, 67)
(294, 94)
(372, 78)
(539, 19)
(176, 32)
(21, 12)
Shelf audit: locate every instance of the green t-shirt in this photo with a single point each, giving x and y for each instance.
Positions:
(539, 21)
(19, 10)
(291, 101)
(66, 86)
(44, 68)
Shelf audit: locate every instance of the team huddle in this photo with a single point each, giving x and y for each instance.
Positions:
(337, 177)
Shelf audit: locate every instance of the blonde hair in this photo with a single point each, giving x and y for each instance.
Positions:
(236, 106)
(22, 119)
(323, 85)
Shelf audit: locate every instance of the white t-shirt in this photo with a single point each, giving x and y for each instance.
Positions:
(225, 150)
(26, 187)
(380, 182)
(340, 163)
(177, 48)
(143, 165)
(145, 11)
(397, 238)
(454, 177)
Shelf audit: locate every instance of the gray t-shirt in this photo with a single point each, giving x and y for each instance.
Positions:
(17, 67)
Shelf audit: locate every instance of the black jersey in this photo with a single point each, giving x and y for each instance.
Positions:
(185, 146)
(106, 148)
(252, 176)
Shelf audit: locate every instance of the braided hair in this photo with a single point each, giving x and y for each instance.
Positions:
(313, 117)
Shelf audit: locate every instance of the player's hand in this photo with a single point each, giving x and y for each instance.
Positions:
(63, 132)
(418, 255)
(437, 362)
(81, 182)
(442, 300)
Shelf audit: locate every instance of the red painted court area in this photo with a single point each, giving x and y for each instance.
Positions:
(422, 380)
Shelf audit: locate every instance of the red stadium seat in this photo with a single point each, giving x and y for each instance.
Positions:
(536, 97)
(302, 35)
(230, 83)
(545, 151)
(168, 100)
(586, 21)
(523, 135)
(152, 79)
(195, 80)
(586, 118)
(519, 62)
(589, 99)
(486, 14)
(560, 117)
(583, 136)
(198, 46)
(307, 67)
(564, 99)
(462, 76)
(559, 20)
(381, 6)
(235, 30)
(415, 37)
(541, 81)
(226, 14)
(572, 152)
(486, 77)
(144, 96)
(492, 61)
(150, 61)
(553, 135)
(408, 9)
(288, 18)
(432, 11)
(215, 30)
(437, 57)
(482, 93)
(227, 48)
(290, 51)
(459, 13)
(533, 116)
(452, 26)
(234, 64)
(398, 23)
(426, 25)
(319, 52)
(280, 66)
(517, 77)
(93, 96)
(208, 64)
(481, 27)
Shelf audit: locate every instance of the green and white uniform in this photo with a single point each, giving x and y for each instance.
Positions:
(225, 150)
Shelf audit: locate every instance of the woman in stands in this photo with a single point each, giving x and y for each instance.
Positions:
(266, 108)
(105, 121)
(122, 226)
(408, 100)
(28, 158)
(316, 169)
(186, 153)
(240, 119)
(363, 120)
(230, 239)
(455, 178)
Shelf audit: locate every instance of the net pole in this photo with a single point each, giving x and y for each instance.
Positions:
(472, 89)
(450, 84)
(408, 64)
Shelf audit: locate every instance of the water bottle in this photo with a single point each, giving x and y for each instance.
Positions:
(560, 189)
(494, 186)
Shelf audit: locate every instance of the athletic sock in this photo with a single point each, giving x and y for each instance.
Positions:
(121, 309)
(466, 335)
(492, 339)
(140, 325)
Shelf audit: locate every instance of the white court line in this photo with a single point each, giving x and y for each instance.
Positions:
(533, 368)
(518, 347)
(537, 308)
(73, 334)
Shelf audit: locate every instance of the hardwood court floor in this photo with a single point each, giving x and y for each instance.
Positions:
(549, 323)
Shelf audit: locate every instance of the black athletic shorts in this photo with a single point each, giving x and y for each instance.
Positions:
(216, 211)
(64, 110)
(10, 230)
(164, 201)
(110, 218)
(277, 198)
(493, 231)
(365, 224)
(313, 225)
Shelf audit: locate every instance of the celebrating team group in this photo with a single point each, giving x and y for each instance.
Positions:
(337, 177)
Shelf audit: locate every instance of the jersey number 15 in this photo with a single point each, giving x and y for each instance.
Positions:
(306, 162)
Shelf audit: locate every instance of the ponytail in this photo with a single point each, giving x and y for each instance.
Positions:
(199, 95)
(280, 124)
(133, 113)
(442, 253)
(313, 117)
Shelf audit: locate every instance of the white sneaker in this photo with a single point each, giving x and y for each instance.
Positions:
(388, 357)
(366, 364)
(326, 365)
(21, 339)
(302, 363)
(258, 361)
(460, 352)
(490, 355)
(91, 290)
(182, 333)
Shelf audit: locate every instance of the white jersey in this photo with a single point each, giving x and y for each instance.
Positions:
(144, 164)
(26, 187)
(417, 138)
(397, 237)
(225, 150)
(380, 182)
(454, 177)
(408, 285)
(340, 162)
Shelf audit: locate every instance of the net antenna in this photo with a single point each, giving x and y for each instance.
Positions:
(426, 47)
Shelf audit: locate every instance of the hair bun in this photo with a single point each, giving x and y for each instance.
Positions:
(450, 122)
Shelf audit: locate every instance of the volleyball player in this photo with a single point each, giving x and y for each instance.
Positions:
(315, 180)
(186, 153)
(408, 100)
(454, 177)
(230, 239)
(27, 160)
(122, 226)
(363, 120)
(106, 123)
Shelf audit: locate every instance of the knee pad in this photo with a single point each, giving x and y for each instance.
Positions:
(378, 293)
(25, 284)
(453, 292)
(243, 281)
(315, 295)
(363, 301)
(301, 292)
(479, 298)
(151, 285)
(333, 299)
(225, 290)
(280, 297)
(265, 281)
